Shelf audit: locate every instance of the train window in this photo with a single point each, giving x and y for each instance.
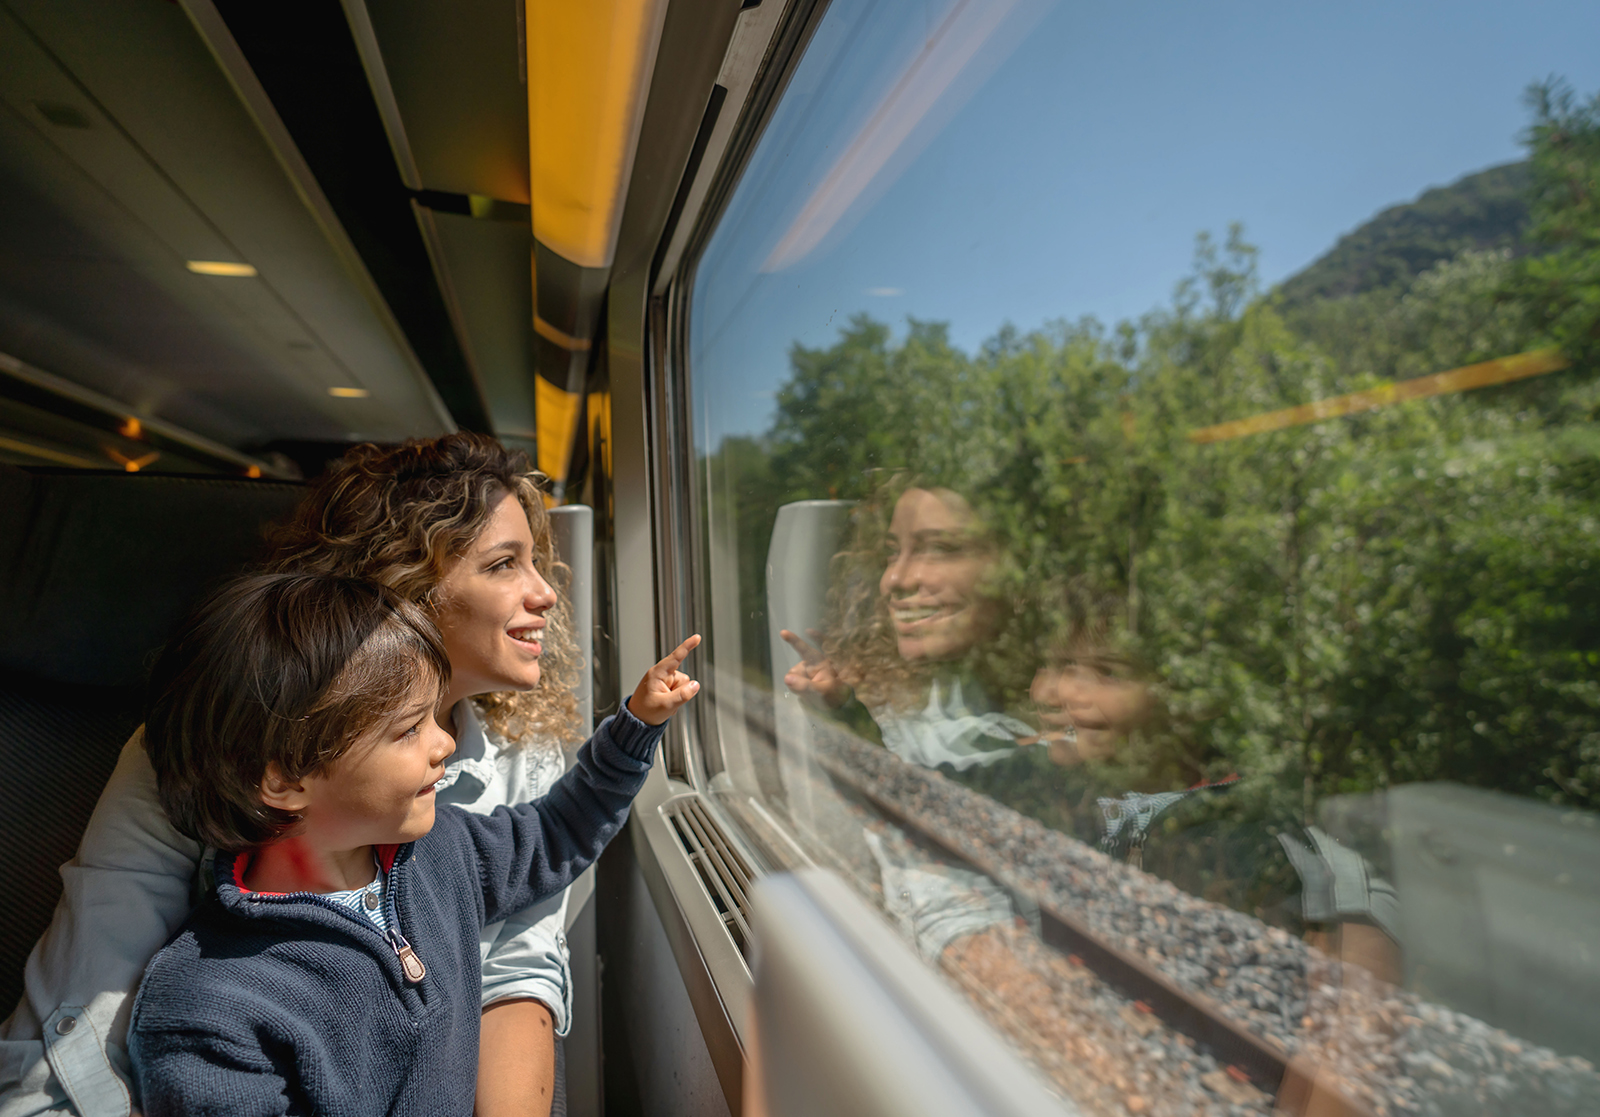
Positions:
(1149, 495)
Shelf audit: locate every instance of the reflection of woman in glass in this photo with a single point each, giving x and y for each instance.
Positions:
(917, 609)
(921, 644)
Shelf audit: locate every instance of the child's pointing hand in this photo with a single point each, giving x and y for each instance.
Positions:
(664, 688)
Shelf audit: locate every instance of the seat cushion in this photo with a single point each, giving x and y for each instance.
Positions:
(58, 744)
(95, 571)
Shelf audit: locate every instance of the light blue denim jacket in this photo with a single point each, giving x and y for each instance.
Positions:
(132, 883)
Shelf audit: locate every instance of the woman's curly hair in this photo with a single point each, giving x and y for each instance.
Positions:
(402, 516)
(858, 631)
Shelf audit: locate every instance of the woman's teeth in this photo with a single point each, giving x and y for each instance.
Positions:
(910, 616)
(525, 635)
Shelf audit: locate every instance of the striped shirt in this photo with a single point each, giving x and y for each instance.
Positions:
(369, 901)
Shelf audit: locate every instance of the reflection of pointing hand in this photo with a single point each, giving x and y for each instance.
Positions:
(814, 674)
(664, 688)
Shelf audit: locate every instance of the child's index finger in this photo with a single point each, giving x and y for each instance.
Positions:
(677, 655)
(808, 652)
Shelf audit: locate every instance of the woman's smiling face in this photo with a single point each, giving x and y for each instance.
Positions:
(491, 608)
(936, 566)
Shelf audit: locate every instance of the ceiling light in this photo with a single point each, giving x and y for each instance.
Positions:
(132, 465)
(220, 267)
(349, 393)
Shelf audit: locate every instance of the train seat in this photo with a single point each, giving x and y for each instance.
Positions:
(95, 569)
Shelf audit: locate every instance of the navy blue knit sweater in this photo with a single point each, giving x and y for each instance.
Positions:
(274, 1004)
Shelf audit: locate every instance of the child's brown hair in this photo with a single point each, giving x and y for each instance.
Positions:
(287, 669)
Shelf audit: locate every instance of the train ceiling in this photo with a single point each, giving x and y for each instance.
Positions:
(232, 230)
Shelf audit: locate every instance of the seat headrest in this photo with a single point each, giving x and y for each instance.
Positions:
(97, 568)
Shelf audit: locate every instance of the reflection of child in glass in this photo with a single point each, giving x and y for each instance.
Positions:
(1090, 694)
(335, 969)
(913, 654)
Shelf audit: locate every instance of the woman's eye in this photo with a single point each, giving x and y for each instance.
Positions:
(503, 564)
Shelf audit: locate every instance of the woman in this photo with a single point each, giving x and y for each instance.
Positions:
(936, 631)
(923, 645)
(457, 525)
(918, 626)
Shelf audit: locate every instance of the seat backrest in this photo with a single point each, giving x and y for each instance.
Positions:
(95, 570)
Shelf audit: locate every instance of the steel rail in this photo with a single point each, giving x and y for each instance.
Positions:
(1190, 1013)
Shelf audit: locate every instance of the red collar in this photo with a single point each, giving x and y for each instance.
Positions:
(241, 864)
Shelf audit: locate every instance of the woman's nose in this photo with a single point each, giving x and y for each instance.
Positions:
(540, 595)
(899, 576)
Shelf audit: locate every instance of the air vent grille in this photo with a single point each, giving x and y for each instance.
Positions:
(727, 876)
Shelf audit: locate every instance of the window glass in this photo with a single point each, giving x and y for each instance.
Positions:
(1151, 502)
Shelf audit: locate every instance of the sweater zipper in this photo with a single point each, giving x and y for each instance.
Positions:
(411, 966)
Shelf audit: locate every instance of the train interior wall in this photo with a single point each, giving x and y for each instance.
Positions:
(656, 1061)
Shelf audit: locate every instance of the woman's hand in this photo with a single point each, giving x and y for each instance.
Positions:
(664, 688)
(814, 674)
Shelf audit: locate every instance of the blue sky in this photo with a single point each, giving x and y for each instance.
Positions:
(1065, 168)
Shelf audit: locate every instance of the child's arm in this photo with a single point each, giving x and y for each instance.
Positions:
(186, 1074)
(125, 892)
(532, 851)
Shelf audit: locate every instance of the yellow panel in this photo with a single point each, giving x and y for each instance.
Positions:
(1501, 371)
(587, 62)
(557, 337)
(556, 412)
(600, 423)
(227, 268)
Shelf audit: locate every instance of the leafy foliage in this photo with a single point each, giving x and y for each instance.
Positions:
(1411, 593)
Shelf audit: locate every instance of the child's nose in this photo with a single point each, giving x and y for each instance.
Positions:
(443, 745)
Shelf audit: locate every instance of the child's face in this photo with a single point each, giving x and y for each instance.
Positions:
(1096, 701)
(492, 604)
(381, 791)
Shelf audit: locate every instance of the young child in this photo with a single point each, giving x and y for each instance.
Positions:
(335, 968)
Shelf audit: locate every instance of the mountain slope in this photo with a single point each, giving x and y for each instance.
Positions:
(1484, 210)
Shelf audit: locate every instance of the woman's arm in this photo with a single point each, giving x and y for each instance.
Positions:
(124, 894)
(526, 994)
(527, 1003)
(517, 1060)
(529, 960)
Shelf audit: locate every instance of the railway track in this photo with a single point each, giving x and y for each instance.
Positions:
(1246, 1055)
(1295, 1031)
